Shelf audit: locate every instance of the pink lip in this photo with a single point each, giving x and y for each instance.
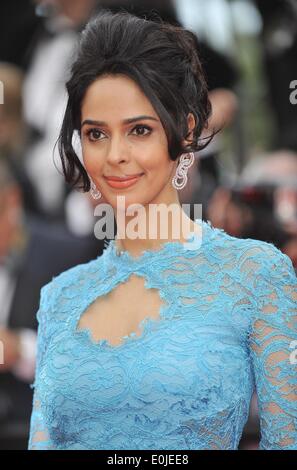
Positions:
(122, 184)
(122, 178)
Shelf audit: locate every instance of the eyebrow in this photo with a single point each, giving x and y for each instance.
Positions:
(125, 121)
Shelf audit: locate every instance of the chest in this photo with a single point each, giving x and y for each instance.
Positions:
(191, 348)
(121, 311)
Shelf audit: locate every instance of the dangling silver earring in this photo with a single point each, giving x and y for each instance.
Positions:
(95, 193)
(185, 162)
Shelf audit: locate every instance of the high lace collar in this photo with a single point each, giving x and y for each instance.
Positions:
(194, 242)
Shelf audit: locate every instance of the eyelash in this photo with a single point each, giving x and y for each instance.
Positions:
(139, 126)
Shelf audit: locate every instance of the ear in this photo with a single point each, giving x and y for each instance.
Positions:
(191, 126)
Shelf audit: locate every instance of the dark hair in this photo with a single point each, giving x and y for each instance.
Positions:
(148, 9)
(160, 57)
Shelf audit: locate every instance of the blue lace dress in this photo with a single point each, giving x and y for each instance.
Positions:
(227, 325)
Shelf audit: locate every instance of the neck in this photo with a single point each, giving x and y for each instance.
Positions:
(148, 229)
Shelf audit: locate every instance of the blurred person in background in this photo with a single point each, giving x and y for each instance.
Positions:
(14, 135)
(279, 37)
(222, 77)
(263, 202)
(12, 131)
(45, 97)
(31, 253)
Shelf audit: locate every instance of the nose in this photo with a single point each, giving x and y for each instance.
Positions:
(117, 151)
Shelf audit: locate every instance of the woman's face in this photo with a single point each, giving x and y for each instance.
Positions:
(122, 135)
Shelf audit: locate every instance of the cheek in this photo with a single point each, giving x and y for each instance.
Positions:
(157, 161)
(91, 159)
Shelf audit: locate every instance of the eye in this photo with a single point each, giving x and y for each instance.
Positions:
(94, 134)
(141, 128)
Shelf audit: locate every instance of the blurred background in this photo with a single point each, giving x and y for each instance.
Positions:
(246, 179)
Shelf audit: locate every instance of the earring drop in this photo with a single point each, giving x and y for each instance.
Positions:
(95, 193)
(185, 162)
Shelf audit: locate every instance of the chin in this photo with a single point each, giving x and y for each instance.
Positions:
(130, 199)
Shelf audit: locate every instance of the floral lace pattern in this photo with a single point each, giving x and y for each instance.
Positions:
(226, 326)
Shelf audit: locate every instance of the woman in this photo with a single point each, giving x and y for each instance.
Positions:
(157, 345)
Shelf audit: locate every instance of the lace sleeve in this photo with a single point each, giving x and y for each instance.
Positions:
(39, 438)
(273, 350)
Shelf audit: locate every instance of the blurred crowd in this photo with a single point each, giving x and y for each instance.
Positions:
(47, 227)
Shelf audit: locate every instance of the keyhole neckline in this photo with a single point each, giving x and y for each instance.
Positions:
(146, 326)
